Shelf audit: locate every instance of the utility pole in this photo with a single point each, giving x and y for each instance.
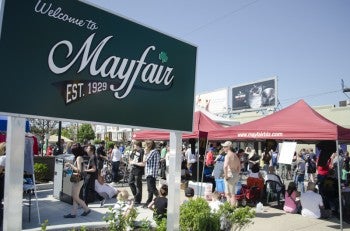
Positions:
(345, 89)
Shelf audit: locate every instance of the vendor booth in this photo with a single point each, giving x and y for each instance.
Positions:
(298, 122)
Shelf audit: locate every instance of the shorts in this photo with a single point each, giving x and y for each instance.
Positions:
(230, 184)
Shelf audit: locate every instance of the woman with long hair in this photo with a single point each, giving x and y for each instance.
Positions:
(78, 168)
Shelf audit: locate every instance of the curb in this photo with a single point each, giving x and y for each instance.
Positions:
(44, 186)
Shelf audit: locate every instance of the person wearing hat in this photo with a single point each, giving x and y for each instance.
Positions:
(232, 167)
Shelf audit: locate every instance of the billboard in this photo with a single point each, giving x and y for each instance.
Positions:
(256, 95)
(215, 101)
(72, 61)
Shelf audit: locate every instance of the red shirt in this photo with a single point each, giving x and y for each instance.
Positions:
(210, 159)
(322, 170)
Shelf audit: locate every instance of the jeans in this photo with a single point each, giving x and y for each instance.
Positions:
(151, 188)
(135, 183)
(299, 181)
(115, 170)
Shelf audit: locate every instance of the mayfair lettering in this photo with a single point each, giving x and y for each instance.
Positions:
(113, 67)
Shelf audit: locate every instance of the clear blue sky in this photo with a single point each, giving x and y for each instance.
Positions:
(306, 43)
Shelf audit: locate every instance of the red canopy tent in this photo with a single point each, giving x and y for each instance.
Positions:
(201, 122)
(296, 122)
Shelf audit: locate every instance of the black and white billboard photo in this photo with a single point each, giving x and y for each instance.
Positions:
(256, 95)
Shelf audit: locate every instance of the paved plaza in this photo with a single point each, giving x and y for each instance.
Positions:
(53, 210)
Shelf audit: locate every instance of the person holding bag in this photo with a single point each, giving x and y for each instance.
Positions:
(77, 182)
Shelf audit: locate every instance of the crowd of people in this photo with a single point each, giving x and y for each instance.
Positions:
(90, 163)
(149, 160)
(311, 189)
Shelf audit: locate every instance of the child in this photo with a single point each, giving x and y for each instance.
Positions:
(160, 204)
(189, 193)
(215, 203)
(123, 206)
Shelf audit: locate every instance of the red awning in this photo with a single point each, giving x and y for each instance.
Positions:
(296, 122)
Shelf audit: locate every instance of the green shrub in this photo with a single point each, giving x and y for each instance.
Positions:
(195, 215)
(44, 225)
(145, 225)
(41, 171)
(117, 222)
(236, 218)
(161, 224)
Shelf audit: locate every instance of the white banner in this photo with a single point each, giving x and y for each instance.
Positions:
(287, 152)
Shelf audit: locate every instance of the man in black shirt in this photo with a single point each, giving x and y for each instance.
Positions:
(137, 170)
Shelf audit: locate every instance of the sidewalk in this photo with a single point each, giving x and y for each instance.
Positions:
(53, 210)
(276, 219)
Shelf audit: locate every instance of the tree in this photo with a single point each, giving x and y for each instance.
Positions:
(40, 127)
(69, 132)
(85, 132)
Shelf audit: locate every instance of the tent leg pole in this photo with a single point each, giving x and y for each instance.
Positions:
(339, 187)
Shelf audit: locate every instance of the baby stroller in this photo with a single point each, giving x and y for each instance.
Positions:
(248, 194)
(106, 171)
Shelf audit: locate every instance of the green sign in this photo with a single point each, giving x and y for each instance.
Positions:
(69, 60)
